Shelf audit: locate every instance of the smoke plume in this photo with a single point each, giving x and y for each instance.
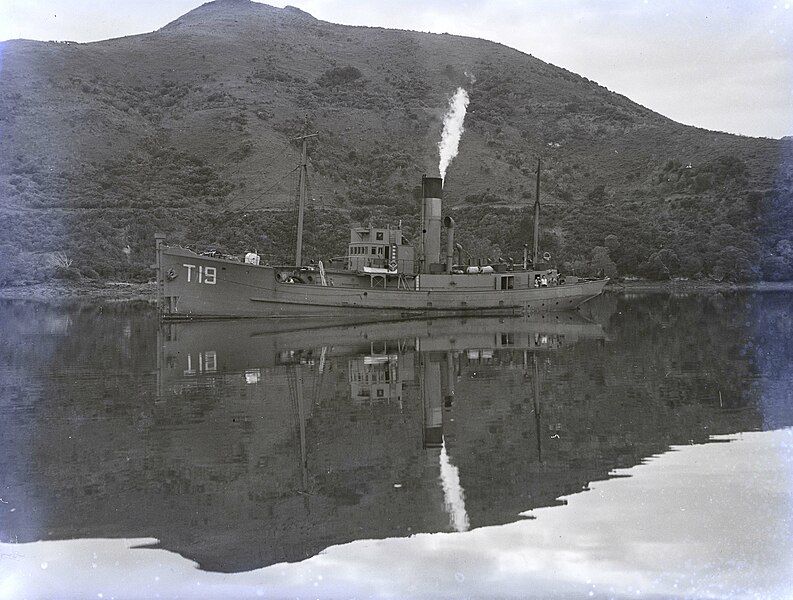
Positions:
(452, 130)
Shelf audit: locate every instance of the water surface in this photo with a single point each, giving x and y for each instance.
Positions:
(460, 452)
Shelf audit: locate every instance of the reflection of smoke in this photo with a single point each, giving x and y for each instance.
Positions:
(452, 129)
(453, 495)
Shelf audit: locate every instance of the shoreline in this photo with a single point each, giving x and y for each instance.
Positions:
(112, 291)
(120, 291)
(693, 286)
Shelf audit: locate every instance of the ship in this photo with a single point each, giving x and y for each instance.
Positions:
(383, 276)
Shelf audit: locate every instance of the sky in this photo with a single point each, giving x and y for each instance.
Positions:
(726, 66)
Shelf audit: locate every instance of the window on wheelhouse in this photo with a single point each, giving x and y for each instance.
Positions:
(508, 282)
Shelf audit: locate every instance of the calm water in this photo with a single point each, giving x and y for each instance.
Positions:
(637, 447)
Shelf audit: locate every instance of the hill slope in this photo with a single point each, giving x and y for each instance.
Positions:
(187, 130)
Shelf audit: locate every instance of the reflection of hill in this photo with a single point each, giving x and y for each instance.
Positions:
(236, 465)
(591, 420)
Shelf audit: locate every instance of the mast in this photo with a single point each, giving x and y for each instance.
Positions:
(301, 207)
(159, 239)
(536, 259)
(423, 232)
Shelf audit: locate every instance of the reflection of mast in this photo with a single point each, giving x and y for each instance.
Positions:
(160, 365)
(295, 376)
(537, 406)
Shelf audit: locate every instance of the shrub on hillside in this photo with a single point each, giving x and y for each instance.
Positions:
(66, 273)
(338, 76)
(702, 182)
(776, 268)
(601, 262)
(656, 267)
(89, 273)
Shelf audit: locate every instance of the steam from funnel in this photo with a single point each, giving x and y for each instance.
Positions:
(452, 130)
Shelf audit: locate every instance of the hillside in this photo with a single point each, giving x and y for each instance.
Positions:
(187, 130)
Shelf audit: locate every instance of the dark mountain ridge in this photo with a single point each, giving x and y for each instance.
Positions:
(187, 130)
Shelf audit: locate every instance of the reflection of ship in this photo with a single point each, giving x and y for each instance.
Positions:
(209, 347)
(379, 375)
(407, 369)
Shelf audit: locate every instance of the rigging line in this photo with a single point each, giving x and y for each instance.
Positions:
(229, 154)
(295, 206)
(297, 185)
(285, 153)
(310, 193)
(236, 171)
(309, 197)
(268, 189)
(282, 152)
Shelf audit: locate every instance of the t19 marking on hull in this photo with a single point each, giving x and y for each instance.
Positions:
(206, 275)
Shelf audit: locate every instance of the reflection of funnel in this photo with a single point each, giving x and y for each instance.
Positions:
(450, 375)
(433, 403)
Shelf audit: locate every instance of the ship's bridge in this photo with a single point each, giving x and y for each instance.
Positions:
(379, 248)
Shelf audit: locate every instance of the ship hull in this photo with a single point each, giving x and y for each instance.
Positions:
(192, 286)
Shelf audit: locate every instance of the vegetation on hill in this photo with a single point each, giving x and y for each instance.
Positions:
(187, 131)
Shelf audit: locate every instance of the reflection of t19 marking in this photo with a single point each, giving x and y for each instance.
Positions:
(207, 362)
(205, 274)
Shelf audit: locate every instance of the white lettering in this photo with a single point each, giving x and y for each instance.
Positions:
(207, 363)
(189, 370)
(210, 358)
(208, 275)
